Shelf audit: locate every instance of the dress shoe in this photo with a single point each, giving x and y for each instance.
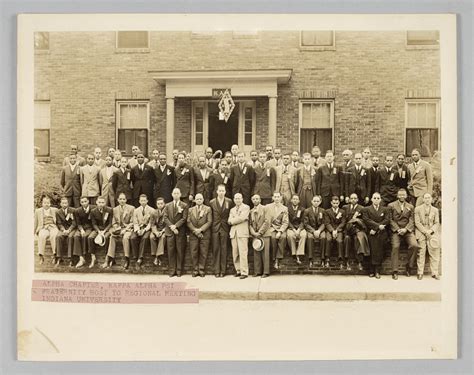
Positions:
(178, 274)
(394, 276)
(112, 262)
(371, 274)
(257, 274)
(202, 274)
(80, 263)
(360, 266)
(172, 274)
(41, 259)
(237, 274)
(311, 264)
(326, 264)
(217, 275)
(348, 267)
(58, 261)
(341, 266)
(71, 264)
(195, 274)
(436, 277)
(419, 277)
(155, 262)
(221, 274)
(92, 263)
(105, 264)
(377, 275)
(322, 263)
(408, 272)
(139, 262)
(126, 264)
(265, 275)
(298, 261)
(243, 277)
(53, 259)
(276, 265)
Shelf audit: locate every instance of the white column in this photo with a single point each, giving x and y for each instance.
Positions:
(169, 127)
(272, 121)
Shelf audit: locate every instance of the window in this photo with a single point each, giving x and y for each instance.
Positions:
(248, 126)
(42, 127)
(132, 126)
(423, 38)
(132, 39)
(42, 41)
(317, 40)
(422, 124)
(316, 125)
(199, 126)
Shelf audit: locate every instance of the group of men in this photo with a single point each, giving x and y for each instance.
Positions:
(302, 201)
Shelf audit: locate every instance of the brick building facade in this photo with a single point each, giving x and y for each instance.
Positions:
(336, 89)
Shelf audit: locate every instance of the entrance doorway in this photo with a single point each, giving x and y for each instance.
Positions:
(222, 135)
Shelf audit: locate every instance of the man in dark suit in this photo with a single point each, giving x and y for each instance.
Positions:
(71, 181)
(346, 166)
(328, 180)
(388, 181)
(357, 180)
(84, 229)
(101, 218)
(142, 178)
(374, 176)
(265, 180)
(67, 228)
(164, 179)
(296, 233)
(403, 176)
(220, 229)
(175, 217)
(335, 221)
(313, 219)
(121, 181)
(242, 178)
(221, 177)
(184, 177)
(202, 175)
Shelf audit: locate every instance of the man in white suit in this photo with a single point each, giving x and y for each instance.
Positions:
(105, 182)
(141, 228)
(421, 177)
(45, 227)
(90, 180)
(239, 234)
(285, 179)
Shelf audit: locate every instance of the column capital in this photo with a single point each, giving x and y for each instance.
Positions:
(170, 97)
(272, 96)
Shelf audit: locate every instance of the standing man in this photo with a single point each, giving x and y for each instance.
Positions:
(265, 180)
(105, 182)
(184, 177)
(276, 160)
(122, 228)
(347, 165)
(141, 229)
(202, 174)
(84, 229)
(357, 181)
(220, 207)
(285, 179)
(403, 176)
(229, 158)
(254, 159)
(155, 154)
(295, 160)
(242, 178)
(220, 177)
(306, 181)
(71, 181)
(157, 236)
(313, 220)
(366, 163)
(354, 232)
(199, 223)
(387, 181)
(427, 234)
(335, 221)
(317, 159)
(101, 217)
(67, 228)
(277, 216)
(133, 160)
(143, 178)
(45, 227)
(175, 217)
(328, 180)
(234, 150)
(121, 181)
(269, 152)
(258, 225)
(117, 159)
(98, 161)
(239, 235)
(175, 154)
(403, 227)
(374, 176)
(421, 177)
(79, 159)
(210, 161)
(90, 180)
(296, 233)
(164, 179)
(111, 152)
(377, 218)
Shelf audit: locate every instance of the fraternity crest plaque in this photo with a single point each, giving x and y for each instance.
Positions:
(226, 106)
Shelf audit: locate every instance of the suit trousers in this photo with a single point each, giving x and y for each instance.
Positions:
(199, 247)
(311, 241)
(297, 247)
(176, 245)
(434, 254)
(157, 244)
(278, 245)
(240, 249)
(341, 254)
(43, 235)
(80, 242)
(74, 201)
(219, 248)
(261, 259)
(109, 199)
(63, 240)
(125, 244)
(413, 247)
(138, 244)
(359, 242)
(92, 245)
(306, 195)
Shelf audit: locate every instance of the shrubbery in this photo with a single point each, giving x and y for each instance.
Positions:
(47, 183)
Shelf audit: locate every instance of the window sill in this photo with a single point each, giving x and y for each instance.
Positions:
(317, 48)
(422, 47)
(132, 50)
(43, 159)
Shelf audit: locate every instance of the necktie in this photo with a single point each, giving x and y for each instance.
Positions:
(143, 211)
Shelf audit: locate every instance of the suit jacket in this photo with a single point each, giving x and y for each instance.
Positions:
(426, 220)
(265, 181)
(175, 216)
(39, 213)
(277, 218)
(346, 176)
(121, 183)
(328, 182)
(220, 215)
(142, 181)
(374, 180)
(216, 179)
(90, 181)
(83, 218)
(295, 217)
(403, 177)
(399, 219)
(357, 182)
(101, 221)
(421, 178)
(291, 177)
(99, 163)
(133, 161)
(158, 220)
(66, 220)
(202, 185)
(313, 219)
(300, 179)
(122, 218)
(333, 221)
(184, 177)
(142, 220)
(242, 181)
(202, 220)
(105, 181)
(79, 161)
(353, 219)
(238, 219)
(71, 181)
(273, 163)
(388, 183)
(373, 218)
(258, 223)
(164, 182)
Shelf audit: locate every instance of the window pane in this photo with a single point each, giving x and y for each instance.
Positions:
(129, 137)
(317, 38)
(421, 115)
(248, 113)
(315, 137)
(42, 115)
(41, 142)
(423, 37)
(306, 116)
(426, 140)
(248, 126)
(411, 108)
(199, 113)
(248, 139)
(133, 115)
(132, 39)
(42, 40)
(199, 139)
(431, 115)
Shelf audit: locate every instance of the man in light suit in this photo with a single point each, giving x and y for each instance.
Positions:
(306, 181)
(258, 225)
(285, 179)
(79, 159)
(122, 227)
(164, 179)
(202, 174)
(101, 218)
(242, 178)
(98, 161)
(276, 160)
(105, 182)
(157, 235)
(328, 180)
(421, 177)
(141, 229)
(403, 227)
(90, 180)
(121, 181)
(239, 235)
(67, 228)
(45, 227)
(175, 218)
(265, 180)
(199, 224)
(71, 181)
(427, 234)
(277, 216)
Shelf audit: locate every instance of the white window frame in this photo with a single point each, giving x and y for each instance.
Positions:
(132, 49)
(44, 157)
(117, 119)
(331, 120)
(436, 101)
(318, 48)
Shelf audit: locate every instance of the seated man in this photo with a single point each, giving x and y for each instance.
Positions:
(258, 225)
(335, 222)
(122, 227)
(45, 227)
(101, 218)
(296, 233)
(84, 229)
(355, 231)
(141, 229)
(277, 216)
(67, 228)
(157, 235)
